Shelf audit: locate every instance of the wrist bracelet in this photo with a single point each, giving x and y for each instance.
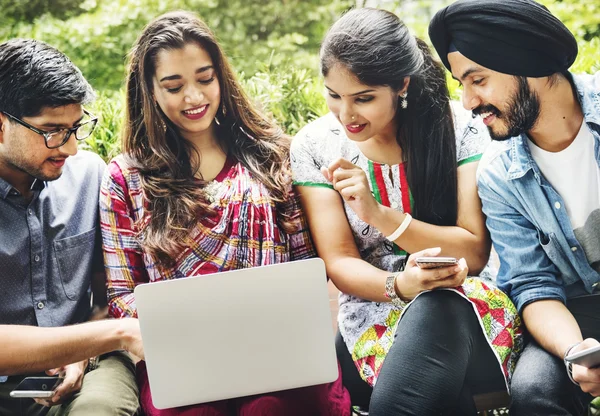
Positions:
(569, 365)
(390, 291)
(401, 228)
(92, 363)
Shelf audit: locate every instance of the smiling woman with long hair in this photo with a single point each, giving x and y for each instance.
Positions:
(203, 186)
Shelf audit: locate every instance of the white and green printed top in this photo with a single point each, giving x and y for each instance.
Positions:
(368, 327)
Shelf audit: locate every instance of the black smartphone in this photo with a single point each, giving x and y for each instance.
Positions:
(589, 358)
(36, 387)
(435, 262)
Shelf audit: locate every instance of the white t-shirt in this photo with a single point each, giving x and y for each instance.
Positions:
(575, 175)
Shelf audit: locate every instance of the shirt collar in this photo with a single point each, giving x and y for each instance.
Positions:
(6, 188)
(588, 93)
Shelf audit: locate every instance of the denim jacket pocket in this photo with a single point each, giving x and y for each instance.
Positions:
(74, 257)
(544, 239)
(551, 247)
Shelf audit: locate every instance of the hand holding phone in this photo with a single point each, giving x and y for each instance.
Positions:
(589, 357)
(36, 388)
(435, 262)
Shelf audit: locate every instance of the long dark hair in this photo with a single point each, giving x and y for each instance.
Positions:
(378, 49)
(167, 162)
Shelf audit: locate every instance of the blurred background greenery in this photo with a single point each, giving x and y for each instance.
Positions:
(273, 44)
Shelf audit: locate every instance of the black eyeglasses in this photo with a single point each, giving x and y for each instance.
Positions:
(56, 138)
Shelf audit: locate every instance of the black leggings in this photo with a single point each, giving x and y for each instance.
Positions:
(439, 359)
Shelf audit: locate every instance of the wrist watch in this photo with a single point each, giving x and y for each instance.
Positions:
(92, 363)
(568, 364)
(390, 292)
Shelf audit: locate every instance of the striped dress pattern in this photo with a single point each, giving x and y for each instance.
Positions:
(242, 233)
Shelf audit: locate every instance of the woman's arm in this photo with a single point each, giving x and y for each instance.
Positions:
(300, 243)
(123, 257)
(335, 244)
(469, 239)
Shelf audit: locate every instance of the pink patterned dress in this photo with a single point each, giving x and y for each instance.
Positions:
(243, 233)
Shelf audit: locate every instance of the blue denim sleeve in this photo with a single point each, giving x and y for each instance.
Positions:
(526, 273)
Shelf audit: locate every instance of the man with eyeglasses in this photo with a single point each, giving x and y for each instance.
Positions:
(50, 248)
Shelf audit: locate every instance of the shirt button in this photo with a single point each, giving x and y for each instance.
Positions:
(30, 212)
(40, 305)
(573, 249)
(36, 258)
(557, 205)
(394, 205)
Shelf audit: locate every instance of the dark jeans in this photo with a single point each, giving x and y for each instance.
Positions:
(540, 385)
(439, 359)
(109, 390)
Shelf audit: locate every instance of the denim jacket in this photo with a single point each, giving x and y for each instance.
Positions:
(540, 258)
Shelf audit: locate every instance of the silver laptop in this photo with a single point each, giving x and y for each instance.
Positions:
(237, 333)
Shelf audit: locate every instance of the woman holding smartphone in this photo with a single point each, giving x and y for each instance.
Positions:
(204, 185)
(385, 174)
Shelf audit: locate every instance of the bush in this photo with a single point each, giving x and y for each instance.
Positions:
(272, 43)
(98, 40)
(105, 141)
(292, 96)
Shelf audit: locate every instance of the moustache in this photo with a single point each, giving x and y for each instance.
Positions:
(487, 108)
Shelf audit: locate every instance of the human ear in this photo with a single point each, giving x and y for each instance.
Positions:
(3, 121)
(404, 88)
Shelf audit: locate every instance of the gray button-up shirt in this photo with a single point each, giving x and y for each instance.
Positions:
(50, 246)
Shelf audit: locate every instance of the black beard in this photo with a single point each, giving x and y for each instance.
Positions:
(522, 113)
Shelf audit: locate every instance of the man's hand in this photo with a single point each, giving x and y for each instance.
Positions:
(588, 378)
(132, 337)
(72, 375)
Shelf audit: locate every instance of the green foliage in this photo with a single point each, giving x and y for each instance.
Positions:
(14, 11)
(582, 17)
(106, 140)
(272, 43)
(250, 31)
(292, 96)
(588, 59)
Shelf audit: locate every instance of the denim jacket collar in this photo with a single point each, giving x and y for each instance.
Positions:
(589, 98)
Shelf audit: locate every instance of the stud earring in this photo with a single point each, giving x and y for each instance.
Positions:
(403, 100)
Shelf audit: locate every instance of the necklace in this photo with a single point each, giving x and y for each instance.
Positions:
(212, 190)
